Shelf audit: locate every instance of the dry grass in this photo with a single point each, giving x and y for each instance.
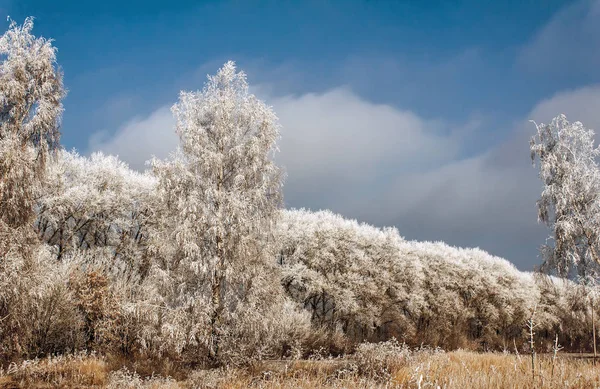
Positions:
(73, 371)
(420, 369)
(462, 369)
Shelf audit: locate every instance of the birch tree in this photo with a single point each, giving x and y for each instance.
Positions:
(31, 91)
(570, 201)
(222, 191)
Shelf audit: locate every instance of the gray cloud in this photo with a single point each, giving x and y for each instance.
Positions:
(489, 200)
(335, 145)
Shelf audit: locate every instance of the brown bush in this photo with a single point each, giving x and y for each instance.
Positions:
(99, 309)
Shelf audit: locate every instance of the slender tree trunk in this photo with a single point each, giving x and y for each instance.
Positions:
(531, 325)
(532, 345)
(596, 259)
(554, 352)
(594, 330)
(219, 277)
(215, 321)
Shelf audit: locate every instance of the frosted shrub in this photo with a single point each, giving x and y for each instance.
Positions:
(211, 379)
(379, 360)
(38, 311)
(348, 275)
(125, 379)
(109, 297)
(79, 370)
(373, 285)
(268, 334)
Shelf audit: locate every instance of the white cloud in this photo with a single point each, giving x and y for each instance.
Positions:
(139, 139)
(335, 145)
(581, 104)
(335, 136)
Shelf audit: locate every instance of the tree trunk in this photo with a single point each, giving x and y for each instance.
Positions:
(596, 259)
(215, 321)
(219, 277)
(594, 330)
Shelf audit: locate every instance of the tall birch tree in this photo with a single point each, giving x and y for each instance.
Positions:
(31, 91)
(223, 190)
(570, 201)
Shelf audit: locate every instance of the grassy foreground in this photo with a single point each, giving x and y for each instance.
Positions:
(430, 369)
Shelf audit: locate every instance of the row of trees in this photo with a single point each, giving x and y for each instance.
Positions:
(195, 259)
(371, 284)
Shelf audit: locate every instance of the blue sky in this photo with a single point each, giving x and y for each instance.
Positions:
(449, 54)
(407, 113)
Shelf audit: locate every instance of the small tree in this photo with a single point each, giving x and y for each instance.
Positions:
(223, 191)
(570, 201)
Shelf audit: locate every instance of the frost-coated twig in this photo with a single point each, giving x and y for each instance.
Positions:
(531, 326)
(517, 350)
(555, 349)
(4, 318)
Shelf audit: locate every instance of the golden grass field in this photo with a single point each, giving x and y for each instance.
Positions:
(457, 369)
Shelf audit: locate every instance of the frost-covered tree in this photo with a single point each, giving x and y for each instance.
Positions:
(96, 202)
(570, 200)
(220, 194)
(31, 91)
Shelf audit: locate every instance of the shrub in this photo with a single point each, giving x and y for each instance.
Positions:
(379, 360)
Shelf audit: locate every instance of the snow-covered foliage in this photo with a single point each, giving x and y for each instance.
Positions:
(570, 201)
(96, 202)
(31, 91)
(195, 261)
(372, 284)
(344, 273)
(219, 198)
(379, 360)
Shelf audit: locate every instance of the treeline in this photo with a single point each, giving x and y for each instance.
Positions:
(371, 284)
(196, 261)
